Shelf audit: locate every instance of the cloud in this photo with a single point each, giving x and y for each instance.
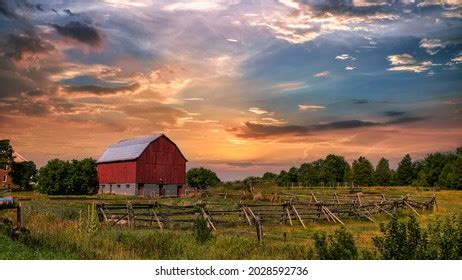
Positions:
(100, 90)
(289, 86)
(254, 130)
(456, 60)
(258, 111)
(432, 46)
(305, 21)
(405, 62)
(401, 59)
(80, 32)
(194, 6)
(322, 74)
(6, 10)
(344, 57)
(310, 107)
(127, 3)
(360, 101)
(18, 46)
(393, 113)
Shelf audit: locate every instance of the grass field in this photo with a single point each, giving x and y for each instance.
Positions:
(59, 229)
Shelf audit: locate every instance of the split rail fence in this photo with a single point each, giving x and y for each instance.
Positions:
(296, 210)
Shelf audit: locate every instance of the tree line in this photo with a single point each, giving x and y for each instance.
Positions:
(441, 169)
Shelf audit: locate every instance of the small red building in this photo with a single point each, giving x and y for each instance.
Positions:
(150, 166)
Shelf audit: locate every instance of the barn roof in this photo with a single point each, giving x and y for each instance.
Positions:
(128, 149)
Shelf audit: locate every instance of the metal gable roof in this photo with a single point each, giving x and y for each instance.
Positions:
(128, 149)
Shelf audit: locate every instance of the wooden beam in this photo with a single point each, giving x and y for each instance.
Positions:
(298, 216)
(288, 215)
(412, 208)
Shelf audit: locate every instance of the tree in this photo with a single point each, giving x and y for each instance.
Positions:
(23, 173)
(382, 174)
(451, 175)
(334, 169)
(65, 177)
(269, 177)
(283, 179)
(293, 173)
(363, 172)
(6, 153)
(201, 178)
(405, 171)
(432, 168)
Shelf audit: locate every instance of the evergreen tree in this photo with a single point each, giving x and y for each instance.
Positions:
(382, 174)
(363, 172)
(405, 172)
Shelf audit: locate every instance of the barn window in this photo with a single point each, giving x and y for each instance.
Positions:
(118, 186)
(128, 186)
(103, 186)
(5, 177)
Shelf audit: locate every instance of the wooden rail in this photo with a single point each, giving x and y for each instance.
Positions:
(333, 210)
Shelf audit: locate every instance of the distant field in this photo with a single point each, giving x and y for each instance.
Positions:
(59, 228)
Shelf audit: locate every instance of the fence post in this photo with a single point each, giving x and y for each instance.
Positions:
(20, 216)
(131, 216)
(259, 229)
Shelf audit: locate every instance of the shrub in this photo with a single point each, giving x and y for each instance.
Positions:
(406, 240)
(201, 231)
(339, 246)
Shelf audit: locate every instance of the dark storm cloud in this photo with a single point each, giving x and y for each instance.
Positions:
(405, 120)
(393, 113)
(100, 90)
(257, 130)
(67, 11)
(7, 10)
(81, 32)
(16, 46)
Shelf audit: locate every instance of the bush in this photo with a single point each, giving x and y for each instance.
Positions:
(68, 177)
(201, 231)
(201, 178)
(407, 241)
(339, 246)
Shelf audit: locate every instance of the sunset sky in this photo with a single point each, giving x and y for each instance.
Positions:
(242, 87)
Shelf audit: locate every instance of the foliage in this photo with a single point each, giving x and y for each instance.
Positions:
(432, 167)
(407, 241)
(451, 175)
(269, 177)
(334, 169)
(23, 173)
(283, 179)
(202, 232)
(363, 172)
(68, 177)
(382, 174)
(6, 152)
(338, 246)
(201, 178)
(405, 172)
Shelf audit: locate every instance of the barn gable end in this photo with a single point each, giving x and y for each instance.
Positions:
(133, 165)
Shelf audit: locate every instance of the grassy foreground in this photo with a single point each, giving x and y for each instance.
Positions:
(62, 229)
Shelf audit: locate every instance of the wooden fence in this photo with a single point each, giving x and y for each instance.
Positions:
(297, 210)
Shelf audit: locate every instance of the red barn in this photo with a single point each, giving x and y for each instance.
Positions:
(150, 166)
